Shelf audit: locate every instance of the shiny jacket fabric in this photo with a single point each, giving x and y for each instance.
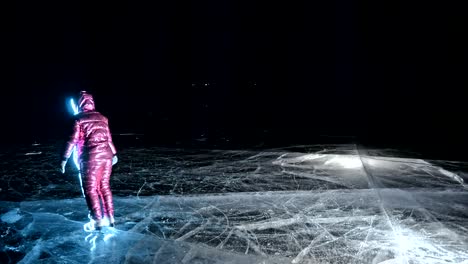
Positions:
(92, 137)
(93, 141)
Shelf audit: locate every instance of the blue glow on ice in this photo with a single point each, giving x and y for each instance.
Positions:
(92, 241)
(107, 237)
(87, 237)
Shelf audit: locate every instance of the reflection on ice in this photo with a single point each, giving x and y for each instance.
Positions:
(325, 160)
(11, 217)
(333, 204)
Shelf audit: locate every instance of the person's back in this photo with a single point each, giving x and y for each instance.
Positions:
(97, 141)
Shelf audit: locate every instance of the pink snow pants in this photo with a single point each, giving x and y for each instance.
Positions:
(96, 176)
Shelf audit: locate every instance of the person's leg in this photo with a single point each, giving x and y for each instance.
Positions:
(104, 209)
(88, 183)
(92, 177)
(106, 191)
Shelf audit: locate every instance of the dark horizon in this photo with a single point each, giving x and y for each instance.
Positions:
(383, 73)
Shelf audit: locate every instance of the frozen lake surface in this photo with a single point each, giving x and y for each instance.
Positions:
(303, 204)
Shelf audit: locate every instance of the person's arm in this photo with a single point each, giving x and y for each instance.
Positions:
(109, 140)
(74, 139)
(111, 145)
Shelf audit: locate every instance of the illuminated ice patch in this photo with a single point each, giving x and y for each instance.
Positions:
(11, 217)
(420, 248)
(108, 236)
(345, 161)
(451, 175)
(327, 160)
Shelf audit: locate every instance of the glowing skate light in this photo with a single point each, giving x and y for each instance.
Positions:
(105, 221)
(89, 227)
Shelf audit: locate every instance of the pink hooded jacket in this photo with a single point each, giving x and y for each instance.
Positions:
(91, 133)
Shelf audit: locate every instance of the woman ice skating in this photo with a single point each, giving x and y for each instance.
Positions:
(96, 155)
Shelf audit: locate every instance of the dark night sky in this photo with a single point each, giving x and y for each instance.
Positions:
(380, 71)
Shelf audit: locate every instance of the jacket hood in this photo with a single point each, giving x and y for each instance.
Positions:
(86, 102)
